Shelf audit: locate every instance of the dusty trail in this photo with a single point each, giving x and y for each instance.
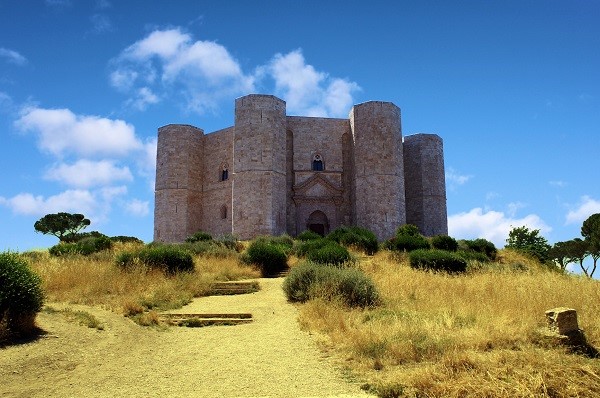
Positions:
(270, 357)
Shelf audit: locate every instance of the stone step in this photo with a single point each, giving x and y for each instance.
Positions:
(200, 320)
(234, 287)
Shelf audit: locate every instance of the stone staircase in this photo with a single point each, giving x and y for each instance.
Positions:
(200, 320)
(215, 319)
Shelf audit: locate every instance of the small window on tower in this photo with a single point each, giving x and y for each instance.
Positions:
(223, 212)
(224, 172)
(317, 163)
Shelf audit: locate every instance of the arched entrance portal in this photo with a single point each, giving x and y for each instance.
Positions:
(318, 222)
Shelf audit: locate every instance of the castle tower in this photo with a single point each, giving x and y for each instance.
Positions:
(259, 166)
(379, 167)
(425, 184)
(178, 191)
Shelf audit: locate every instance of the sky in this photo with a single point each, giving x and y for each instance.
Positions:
(512, 87)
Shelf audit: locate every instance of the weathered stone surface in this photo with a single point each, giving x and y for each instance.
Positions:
(259, 176)
(562, 320)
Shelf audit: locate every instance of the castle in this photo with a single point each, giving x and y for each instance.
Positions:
(271, 174)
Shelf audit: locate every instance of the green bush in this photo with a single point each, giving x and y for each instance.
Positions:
(21, 296)
(308, 235)
(304, 248)
(350, 286)
(331, 253)
(357, 237)
(270, 257)
(84, 246)
(77, 236)
(480, 245)
(199, 236)
(409, 243)
(437, 260)
(230, 242)
(444, 242)
(126, 239)
(469, 255)
(168, 258)
(408, 229)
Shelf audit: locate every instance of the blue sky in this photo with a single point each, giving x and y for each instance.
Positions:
(512, 87)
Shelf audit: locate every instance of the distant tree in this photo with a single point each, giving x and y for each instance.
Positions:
(579, 250)
(61, 225)
(529, 242)
(590, 230)
(563, 254)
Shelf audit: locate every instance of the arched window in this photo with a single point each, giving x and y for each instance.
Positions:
(223, 212)
(224, 172)
(317, 163)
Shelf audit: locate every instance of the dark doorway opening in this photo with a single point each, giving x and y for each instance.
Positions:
(318, 228)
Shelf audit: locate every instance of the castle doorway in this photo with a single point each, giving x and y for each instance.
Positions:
(318, 222)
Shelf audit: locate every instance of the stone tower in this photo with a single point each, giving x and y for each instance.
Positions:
(178, 195)
(378, 167)
(425, 184)
(259, 167)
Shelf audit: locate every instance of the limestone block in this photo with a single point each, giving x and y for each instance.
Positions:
(562, 320)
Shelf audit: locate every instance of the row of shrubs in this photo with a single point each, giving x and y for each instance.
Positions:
(86, 243)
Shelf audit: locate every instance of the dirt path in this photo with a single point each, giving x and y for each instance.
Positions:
(270, 357)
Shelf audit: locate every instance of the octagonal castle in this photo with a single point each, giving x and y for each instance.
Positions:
(271, 174)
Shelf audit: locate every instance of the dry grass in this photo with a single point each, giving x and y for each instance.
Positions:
(96, 280)
(473, 335)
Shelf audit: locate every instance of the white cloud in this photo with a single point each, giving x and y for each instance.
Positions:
(491, 225)
(454, 178)
(143, 98)
(200, 72)
(306, 90)
(71, 201)
(137, 208)
(61, 131)
(87, 173)
(586, 207)
(12, 56)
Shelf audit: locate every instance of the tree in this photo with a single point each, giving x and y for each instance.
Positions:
(61, 225)
(529, 242)
(562, 254)
(590, 230)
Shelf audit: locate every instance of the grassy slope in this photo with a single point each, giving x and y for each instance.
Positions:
(473, 335)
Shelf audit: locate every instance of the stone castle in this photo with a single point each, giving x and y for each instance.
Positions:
(271, 174)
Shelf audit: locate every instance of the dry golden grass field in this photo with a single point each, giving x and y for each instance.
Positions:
(434, 334)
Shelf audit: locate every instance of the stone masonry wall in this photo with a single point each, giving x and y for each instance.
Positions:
(378, 167)
(425, 184)
(259, 166)
(178, 199)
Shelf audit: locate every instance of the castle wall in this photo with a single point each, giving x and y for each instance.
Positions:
(425, 184)
(259, 166)
(178, 198)
(216, 191)
(378, 167)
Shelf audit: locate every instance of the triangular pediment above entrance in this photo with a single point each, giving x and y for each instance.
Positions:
(317, 186)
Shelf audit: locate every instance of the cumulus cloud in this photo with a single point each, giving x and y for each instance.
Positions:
(71, 201)
(170, 63)
(203, 71)
(87, 173)
(306, 90)
(586, 207)
(60, 132)
(12, 56)
(491, 225)
(137, 208)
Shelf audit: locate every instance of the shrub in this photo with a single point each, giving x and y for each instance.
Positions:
(308, 235)
(437, 260)
(77, 236)
(306, 247)
(410, 242)
(358, 237)
(84, 246)
(230, 242)
(480, 245)
(331, 253)
(21, 295)
(169, 259)
(444, 242)
(270, 257)
(468, 255)
(408, 229)
(126, 239)
(199, 236)
(350, 286)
